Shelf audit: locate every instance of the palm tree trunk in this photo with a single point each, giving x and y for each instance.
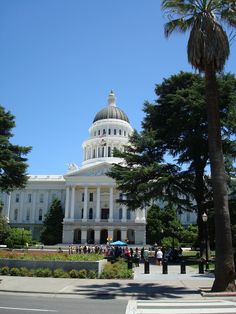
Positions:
(224, 268)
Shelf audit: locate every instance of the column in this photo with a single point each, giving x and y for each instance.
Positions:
(33, 208)
(111, 205)
(98, 204)
(97, 236)
(124, 213)
(110, 234)
(67, 209)
(21, 214)
(83, 236)
(72, 203)
(46, 203)
(85, 204)
(123, 235)
(8, 206)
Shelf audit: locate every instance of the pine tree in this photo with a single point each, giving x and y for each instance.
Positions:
(12, 163)
(52, 226)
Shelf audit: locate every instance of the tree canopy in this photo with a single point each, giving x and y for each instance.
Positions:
(13, 164)
(52, 224)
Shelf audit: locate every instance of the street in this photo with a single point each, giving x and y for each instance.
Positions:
(15, 304)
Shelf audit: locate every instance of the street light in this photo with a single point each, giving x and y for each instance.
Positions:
(204, 219)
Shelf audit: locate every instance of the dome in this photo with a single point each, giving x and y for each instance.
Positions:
(111, 111)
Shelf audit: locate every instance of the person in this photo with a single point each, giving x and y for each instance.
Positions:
(159, 256)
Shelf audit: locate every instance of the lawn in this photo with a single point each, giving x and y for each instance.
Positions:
(49, 256)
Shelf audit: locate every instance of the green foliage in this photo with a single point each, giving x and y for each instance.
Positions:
(117, 270)
(189, 235)
(43, 272)
(82, 273)
(25, 272)
(52, 229)
(74, 273)
(60, 273)
(4, 229)
(18, 237)
(162, 222)
(14, 271)
(4, 270)
(50, 256)
(170, 242)
(92, 274)
(12, 163)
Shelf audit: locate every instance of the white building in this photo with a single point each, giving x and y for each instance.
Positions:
(88, 196)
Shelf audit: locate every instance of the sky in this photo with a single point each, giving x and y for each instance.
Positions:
(59, 59)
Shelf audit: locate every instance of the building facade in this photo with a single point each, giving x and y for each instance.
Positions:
(88, 196)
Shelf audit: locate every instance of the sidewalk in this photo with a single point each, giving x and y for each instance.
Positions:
(143, 286)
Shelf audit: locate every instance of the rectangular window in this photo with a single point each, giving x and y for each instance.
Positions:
(109, 131)
(40, 214)
(91, 197)
(41, 198)
(28, 214)
(29, 198)
(82, 197)
(114, 131)
(17, 198)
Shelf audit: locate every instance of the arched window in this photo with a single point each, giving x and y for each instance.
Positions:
(104, 131)
(109, 151)
(119, 132)
(120, 213)
(16, 214)
(114, 131)
(103, 151)
(40, 214)
(98, 132)
(90, 213)
(109, 131)
(94, 153)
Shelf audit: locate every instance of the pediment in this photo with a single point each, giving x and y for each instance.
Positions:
(91, 171)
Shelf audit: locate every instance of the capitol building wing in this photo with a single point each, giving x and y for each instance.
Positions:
(89, 197)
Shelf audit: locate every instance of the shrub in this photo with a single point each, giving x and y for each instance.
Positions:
(5, 270)
(118, 270)
(60, 273)
(14, 271)
(92, 274)
(74, 273)
(82, 273)
(25, 272)
(43, 272)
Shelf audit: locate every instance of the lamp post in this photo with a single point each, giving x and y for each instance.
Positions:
(204, 219)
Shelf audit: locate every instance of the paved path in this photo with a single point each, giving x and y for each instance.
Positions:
(180, 307)
(144, 286)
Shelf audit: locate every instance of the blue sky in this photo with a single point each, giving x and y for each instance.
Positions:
(60, 58)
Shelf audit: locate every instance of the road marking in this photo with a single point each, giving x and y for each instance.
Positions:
(25, 309)
(155, 307)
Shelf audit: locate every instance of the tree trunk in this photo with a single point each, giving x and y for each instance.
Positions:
(224, 268)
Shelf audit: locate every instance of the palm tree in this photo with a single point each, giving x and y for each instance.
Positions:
(208, 50)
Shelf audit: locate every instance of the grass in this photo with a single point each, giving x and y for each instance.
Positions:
(49, 256)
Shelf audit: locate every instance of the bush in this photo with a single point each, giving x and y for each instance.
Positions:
(92, 274)
(74, 273)
(25, 272)
(118, 270)
(60, 273)
(5, 270)
(82, 273)
(43, 272)
(15, 271)
(168, 242)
